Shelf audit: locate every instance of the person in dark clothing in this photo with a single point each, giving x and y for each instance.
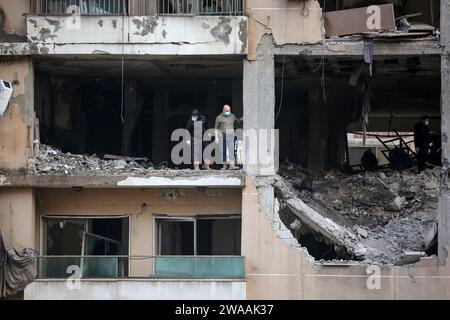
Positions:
(197, 120)
(422, 142)
(369, 161)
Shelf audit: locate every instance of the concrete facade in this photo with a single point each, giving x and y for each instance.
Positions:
(138, 289)
(133, 35)
(444, 201)
(277, 267)
(140, 206)
(259, 111)
(17, 124)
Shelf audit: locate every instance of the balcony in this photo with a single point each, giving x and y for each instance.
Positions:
(140, 7)
(113, 27)
(160, 267)
(170, 277)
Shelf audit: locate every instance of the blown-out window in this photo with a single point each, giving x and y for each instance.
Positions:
(95, 245)
(213, 236)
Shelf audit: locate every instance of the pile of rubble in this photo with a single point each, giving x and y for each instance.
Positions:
(50, 160)
(379, 216)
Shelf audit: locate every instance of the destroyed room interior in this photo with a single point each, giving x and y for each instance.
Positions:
(80, 109)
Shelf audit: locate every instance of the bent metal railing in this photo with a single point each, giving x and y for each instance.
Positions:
(157, 267)
(139, 7)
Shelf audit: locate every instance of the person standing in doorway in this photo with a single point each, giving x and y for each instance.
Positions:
(196, 125)
(224, 128)
(422, 142)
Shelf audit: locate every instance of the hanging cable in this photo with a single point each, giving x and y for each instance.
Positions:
(122, 65)
(282, 72)
(322, 58)
(282, 89)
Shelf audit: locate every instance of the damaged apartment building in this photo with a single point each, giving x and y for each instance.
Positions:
(88, 188)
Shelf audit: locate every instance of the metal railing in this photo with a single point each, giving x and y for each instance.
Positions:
(159, 267)
(202, 7)
(140, 7)
(82, 7)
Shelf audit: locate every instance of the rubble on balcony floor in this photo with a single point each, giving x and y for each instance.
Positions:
(52, 160)
(376, 216)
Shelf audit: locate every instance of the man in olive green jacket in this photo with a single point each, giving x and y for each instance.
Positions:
(224, 127)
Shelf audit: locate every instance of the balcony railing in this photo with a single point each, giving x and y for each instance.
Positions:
(139, 7)
(159, 267)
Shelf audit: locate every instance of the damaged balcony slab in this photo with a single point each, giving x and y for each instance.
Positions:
(354, 48)
(137, 35)
(156, 179)
(53, 168)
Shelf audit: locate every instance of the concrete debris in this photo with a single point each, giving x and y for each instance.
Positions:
(410, 257)
(51, 160)
(395, 205)
(376, 216)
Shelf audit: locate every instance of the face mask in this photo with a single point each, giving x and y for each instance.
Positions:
(194, 118)
(227, 113)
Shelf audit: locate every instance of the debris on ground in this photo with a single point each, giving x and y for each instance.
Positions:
(378, 216)
(51, 160)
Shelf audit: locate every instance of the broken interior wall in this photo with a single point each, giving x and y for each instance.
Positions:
(13, 21)
(17, 217)
(141, 205)
(429, 13)
(277, 269)
(17, 124)
(288, 21)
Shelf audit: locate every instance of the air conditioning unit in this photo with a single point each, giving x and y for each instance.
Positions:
(5, 95)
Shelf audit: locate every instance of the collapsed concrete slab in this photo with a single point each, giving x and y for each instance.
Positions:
(339, 235)
(388, 236)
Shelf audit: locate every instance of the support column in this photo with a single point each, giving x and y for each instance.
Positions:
(444, 196)
(17, 218)
(160, 136)
(318, 116)
(259, 110)
(17, 124)
(237, 97)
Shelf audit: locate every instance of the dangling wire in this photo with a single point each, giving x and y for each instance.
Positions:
(282, 89)
(322, 58)
(282, 72)
(123, 65)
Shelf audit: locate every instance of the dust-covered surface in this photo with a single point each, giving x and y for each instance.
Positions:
(52, 161)
(390, 213)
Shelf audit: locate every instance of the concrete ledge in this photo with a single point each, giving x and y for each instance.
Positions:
(137, 289)
(354, 48)
(158, 179)
(143, 35)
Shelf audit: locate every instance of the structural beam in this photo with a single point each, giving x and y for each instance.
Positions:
(444, 195)
(347, 48)
(158, 179)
